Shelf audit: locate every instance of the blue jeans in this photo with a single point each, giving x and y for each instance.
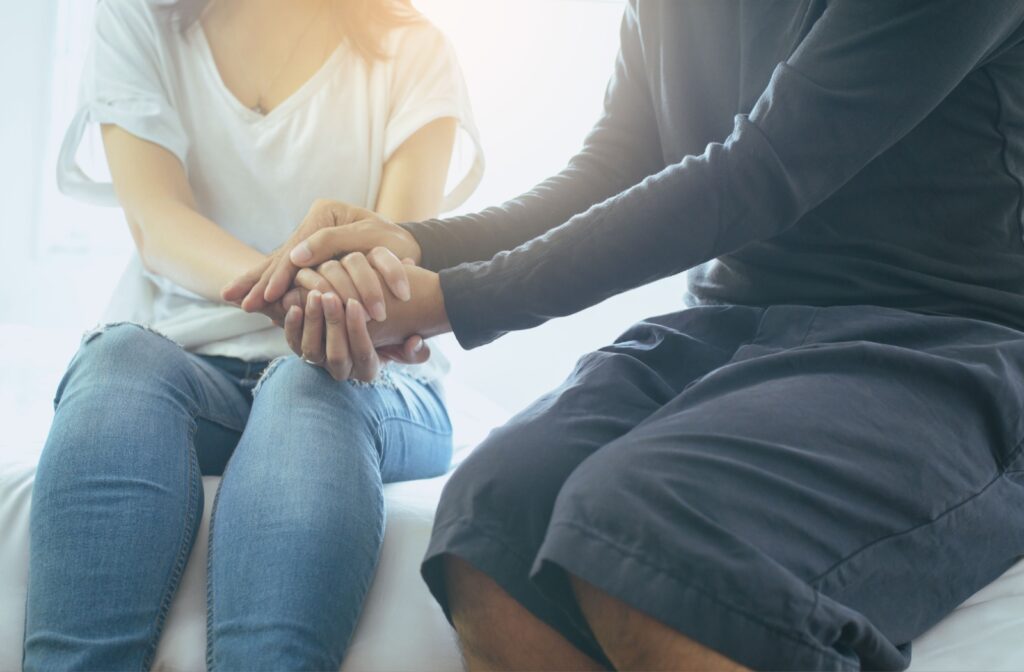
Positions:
(298, 520)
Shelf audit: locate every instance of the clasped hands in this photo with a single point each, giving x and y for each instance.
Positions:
(346, 289)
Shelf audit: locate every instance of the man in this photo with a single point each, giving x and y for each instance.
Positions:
(821, 456)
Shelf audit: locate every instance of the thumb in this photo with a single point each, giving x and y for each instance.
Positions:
(415, 350)
(235, 291)
(327, 244)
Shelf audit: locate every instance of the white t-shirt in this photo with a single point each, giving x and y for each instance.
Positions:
(256, 176)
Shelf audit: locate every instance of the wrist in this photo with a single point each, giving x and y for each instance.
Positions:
(436, 316)
(421, 256)
(424, 314)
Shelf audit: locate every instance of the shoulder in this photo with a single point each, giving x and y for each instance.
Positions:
(133, 21)
(417, 39)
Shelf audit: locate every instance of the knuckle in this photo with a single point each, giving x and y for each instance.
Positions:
(352, 258)
(320, 205)
(331, 266)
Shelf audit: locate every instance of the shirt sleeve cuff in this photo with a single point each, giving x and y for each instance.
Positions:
(468, 320)
(432, 256)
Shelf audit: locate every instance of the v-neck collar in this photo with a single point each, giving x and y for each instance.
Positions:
(282, 109)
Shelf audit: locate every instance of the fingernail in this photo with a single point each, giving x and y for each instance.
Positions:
(403, 292)
(354, 306)
(332, 306)
(418, 346)
(301, 253)
(378, 312)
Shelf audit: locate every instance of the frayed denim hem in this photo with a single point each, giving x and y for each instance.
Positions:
(99, 330)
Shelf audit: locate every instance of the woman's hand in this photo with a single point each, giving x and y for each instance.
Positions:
(341, 338)
(358, 276)
(328, 231)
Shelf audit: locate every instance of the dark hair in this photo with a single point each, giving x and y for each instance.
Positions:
(363, 23)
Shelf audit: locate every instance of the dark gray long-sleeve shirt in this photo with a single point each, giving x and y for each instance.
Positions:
(817, 152)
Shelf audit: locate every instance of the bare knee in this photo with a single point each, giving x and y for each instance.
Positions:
(479, 607)
(496, 632)
(633, 640)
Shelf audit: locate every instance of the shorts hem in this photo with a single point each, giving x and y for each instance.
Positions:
(734, 632)
(507, 566)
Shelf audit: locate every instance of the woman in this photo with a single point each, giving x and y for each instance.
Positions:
(223, 122)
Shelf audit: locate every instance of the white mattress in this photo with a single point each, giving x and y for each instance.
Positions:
(403, 629)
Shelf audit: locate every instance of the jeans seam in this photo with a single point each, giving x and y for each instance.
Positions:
(184, 548)
(209, 567)
(209, 576)
(409, 421)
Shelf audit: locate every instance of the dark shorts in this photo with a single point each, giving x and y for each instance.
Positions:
(794, 487)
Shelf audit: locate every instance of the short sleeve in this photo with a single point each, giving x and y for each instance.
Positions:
(125, 83)
(426, 84)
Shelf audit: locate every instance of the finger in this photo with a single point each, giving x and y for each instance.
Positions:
(255, 300)
(392, 270)
(295, 297)
(293, 329)
(415, 350)
(339, 279)
(313, 329)
(409, 261)
(280, 279)
(365, 363)
(390, 353)
(310, 280)
(339, 363)
(276, 312)
(235, 291)
(367, 282)
(327, 244)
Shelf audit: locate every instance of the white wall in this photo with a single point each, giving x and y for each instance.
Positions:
(26, 54)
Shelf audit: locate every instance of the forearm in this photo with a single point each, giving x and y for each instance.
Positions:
(174, 240)
(178, 243)
(685, 215)
(479, 236)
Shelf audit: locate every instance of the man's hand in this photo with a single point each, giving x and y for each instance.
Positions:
(335, 229)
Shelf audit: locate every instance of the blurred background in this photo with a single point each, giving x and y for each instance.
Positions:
(536, 71)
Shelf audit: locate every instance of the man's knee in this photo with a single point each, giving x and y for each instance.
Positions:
(482, 612)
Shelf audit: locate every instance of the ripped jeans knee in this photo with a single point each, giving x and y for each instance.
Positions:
(91, 334)
(301, 374)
